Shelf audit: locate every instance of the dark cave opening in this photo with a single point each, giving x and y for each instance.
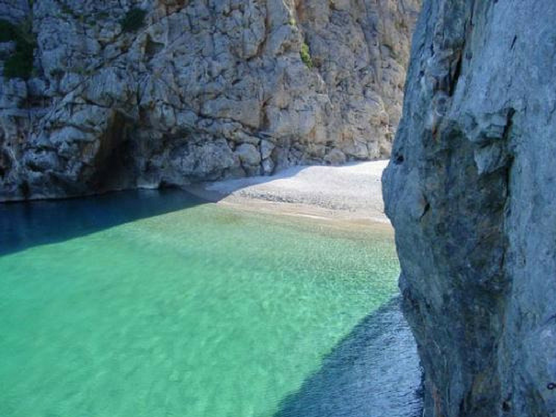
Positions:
(5, 164)
(113, 165)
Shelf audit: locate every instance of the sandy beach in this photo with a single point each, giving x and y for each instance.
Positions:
(347, 193)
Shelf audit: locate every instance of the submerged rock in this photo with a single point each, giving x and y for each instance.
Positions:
(122, 94)
(470, 190)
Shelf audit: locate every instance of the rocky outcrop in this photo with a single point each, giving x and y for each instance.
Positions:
(141, 94)
(470, 190)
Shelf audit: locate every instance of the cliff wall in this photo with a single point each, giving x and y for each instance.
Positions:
(471, 192)
(102, 95)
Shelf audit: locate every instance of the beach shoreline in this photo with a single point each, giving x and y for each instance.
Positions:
(350, 194)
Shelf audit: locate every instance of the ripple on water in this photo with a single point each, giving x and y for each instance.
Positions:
(151, 304)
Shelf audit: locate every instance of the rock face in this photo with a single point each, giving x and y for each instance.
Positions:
(470, 190)
(141, 94)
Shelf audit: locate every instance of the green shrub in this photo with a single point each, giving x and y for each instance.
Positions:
(133, 20)
(20, 63)
(306, 55)
(8, 32)
(66, 9)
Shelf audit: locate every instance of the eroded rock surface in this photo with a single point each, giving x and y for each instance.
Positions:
(197, 90)
(471, 192)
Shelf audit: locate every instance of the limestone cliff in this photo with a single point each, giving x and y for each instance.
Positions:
(101, 95)
(471, 192)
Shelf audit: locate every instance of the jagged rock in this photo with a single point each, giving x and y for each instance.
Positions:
(248, 154)
(266, 148)
(335, 157)
(470, 191)
(268, 166)
(160, 100)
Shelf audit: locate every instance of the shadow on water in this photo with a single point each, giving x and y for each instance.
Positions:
(373, 372)
(28, 224)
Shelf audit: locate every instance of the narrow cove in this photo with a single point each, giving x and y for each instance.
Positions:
(154, 304)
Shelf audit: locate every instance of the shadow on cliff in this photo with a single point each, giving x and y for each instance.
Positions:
(24, 225)
(372, 372)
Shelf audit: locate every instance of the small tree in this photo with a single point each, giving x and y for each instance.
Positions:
(20, 63)
(133, 20)
(306, 55)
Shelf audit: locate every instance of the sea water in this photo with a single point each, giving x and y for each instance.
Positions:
(146, 304)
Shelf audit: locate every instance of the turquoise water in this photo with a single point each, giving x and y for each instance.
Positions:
(149, 304)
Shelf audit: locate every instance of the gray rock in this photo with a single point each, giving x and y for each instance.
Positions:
(266, 148)
(470, 191)
(248, 154)
(125, 108)
(335, 157)
(268, 166)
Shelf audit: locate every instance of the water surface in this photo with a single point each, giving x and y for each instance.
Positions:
(152, 304)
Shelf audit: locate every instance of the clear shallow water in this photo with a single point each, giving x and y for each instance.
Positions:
(150, 304)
